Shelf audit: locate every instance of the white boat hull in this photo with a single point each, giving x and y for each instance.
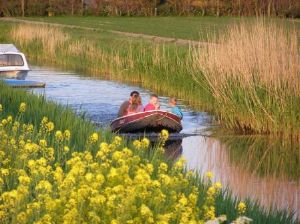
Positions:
(21, 75)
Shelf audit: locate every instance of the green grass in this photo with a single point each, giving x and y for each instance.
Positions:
(191, 28)
(165, 68)
(64, 118)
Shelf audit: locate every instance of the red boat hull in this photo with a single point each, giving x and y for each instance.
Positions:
(149, 121)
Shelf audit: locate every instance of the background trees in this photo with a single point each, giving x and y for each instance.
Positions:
(282, 8)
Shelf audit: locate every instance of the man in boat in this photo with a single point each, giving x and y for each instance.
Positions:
(175, 109)
(153, 103)
(125, 105)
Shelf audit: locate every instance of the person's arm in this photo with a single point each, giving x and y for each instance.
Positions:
(157, 106)
(123, 109)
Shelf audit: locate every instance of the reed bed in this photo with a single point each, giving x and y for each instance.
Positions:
(254, 74)
(249, 79)
(49, 38)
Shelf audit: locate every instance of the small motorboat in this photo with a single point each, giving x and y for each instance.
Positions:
(13, 63)
(148, 121)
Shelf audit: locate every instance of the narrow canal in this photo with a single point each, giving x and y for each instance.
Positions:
(243, 164)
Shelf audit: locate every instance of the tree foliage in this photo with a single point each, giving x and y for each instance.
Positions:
(281, 8)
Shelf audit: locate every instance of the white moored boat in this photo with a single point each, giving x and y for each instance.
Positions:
(13, 64)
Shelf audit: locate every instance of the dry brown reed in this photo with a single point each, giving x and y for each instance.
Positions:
(253, 73)
(50, 37)
(261, 52)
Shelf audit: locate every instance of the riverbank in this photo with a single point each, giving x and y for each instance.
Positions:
(241, 103)
(82, 138)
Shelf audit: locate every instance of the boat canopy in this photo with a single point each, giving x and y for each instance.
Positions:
(8, 48)
(12, 59)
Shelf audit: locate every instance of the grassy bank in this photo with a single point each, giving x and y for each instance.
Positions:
(53, 170)
(190, 28)
(249, 80)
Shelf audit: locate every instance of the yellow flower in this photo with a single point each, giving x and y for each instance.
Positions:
(241, 208)
(163, 167)
(183, 201)
(209, 175)
(66, 149)
(118, 140)
(164, 135)
(179, 164)
(89, 177)
(145, 143)
(9, 119)
(4, 172)
(145, 211)
(67, 135)
(210, 213)
(50, 126)
(24, 180)
(94, 137)
(218, 185)
(22, 217)
(211, 191)
(22, 108)
(137, 144)
(44, 185)
(43, 143)
(44, 120)
(4, 122)
(59, 136)
(29, 128)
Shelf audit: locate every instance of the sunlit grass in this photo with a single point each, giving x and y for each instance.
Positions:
(253, 73)
(45, 176)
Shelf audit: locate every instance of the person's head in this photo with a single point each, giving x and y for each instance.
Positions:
(135, 102)
(136, 99)
(173, 101)
(132, 94)
(154, 99)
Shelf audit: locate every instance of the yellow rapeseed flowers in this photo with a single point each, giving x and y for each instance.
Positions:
(241, 208)
(164, 135)
(43, 181)
(22, 107)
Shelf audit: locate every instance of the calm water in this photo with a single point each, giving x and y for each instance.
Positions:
(100, 101)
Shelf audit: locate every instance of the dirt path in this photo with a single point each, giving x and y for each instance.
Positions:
(121, 33)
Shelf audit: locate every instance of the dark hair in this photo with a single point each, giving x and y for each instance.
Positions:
(153, 96)
(134, 93)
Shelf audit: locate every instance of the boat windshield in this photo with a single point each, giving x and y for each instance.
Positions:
(11, 60)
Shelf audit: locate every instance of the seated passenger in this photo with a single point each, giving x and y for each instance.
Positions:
(175, 109)
(124, 106)
(153, 103)
(135, 105)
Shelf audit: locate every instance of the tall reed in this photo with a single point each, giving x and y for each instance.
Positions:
(253, 73)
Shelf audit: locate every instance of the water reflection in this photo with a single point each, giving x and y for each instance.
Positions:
(173, 149)
(250, 167)
(265, 155)
(211, 154)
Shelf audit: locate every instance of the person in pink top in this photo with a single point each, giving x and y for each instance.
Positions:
(153, 103)
(135, 105)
